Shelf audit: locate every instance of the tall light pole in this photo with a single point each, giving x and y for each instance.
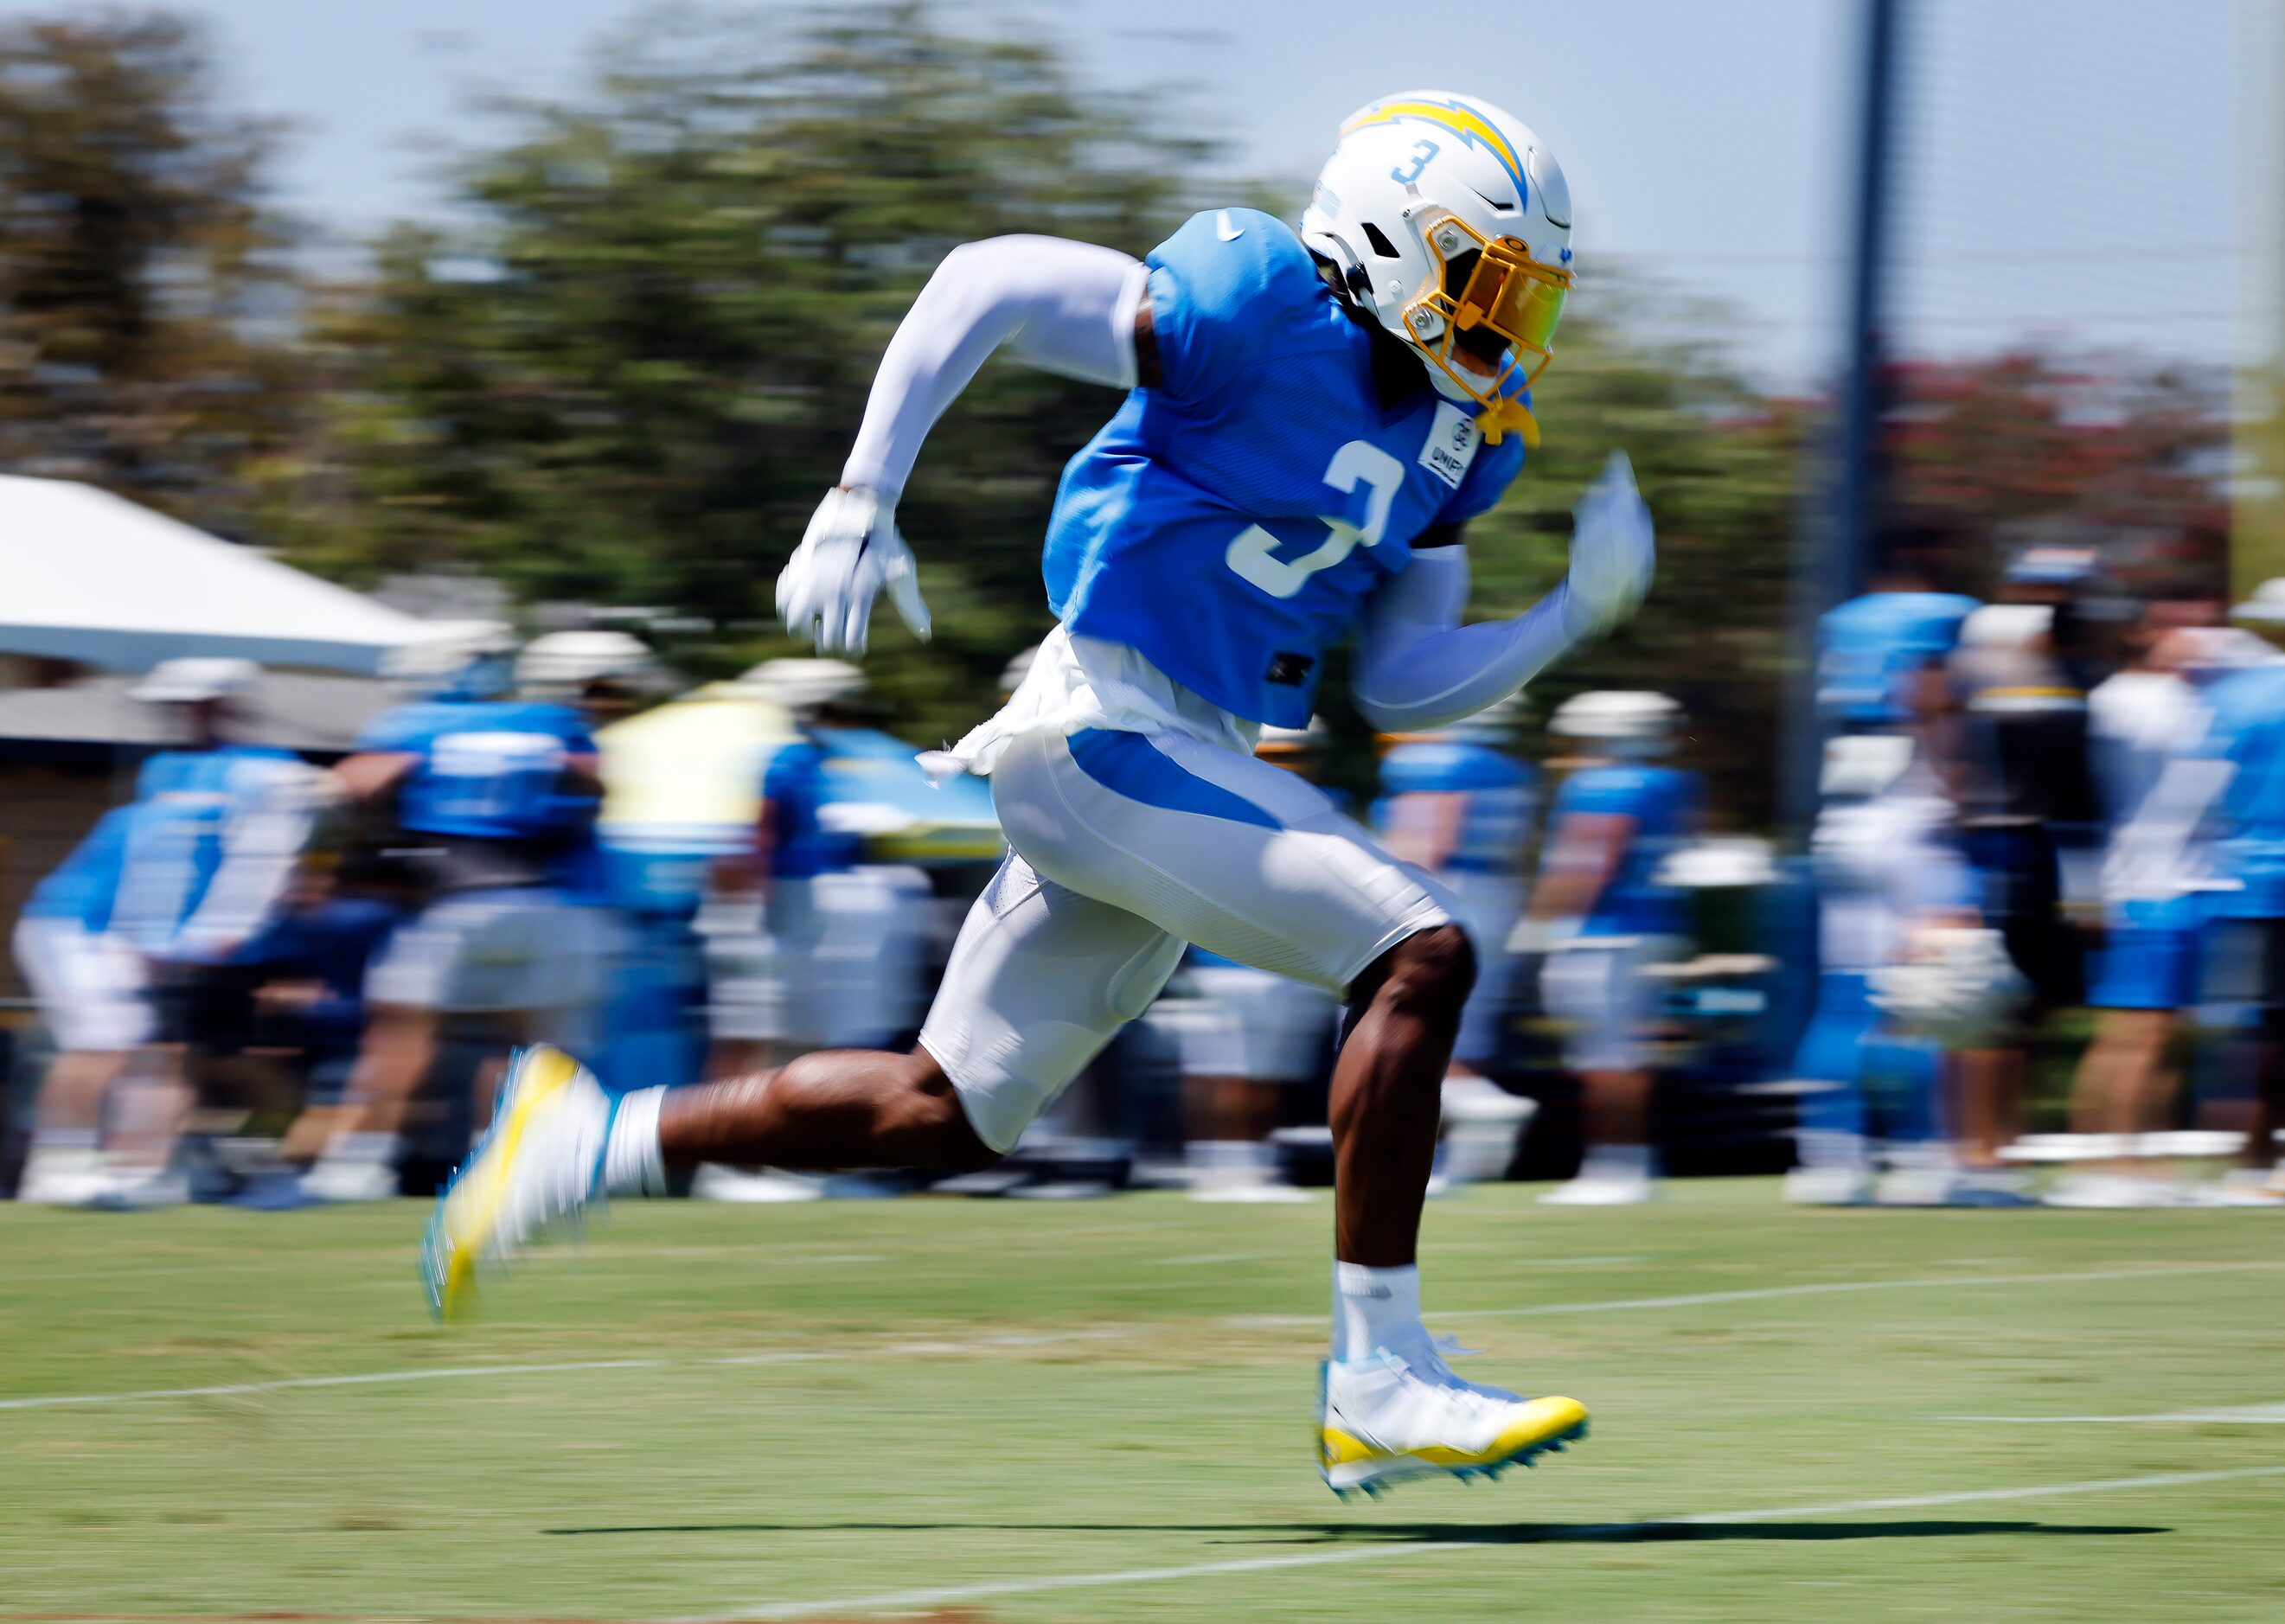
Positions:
(1842, 502)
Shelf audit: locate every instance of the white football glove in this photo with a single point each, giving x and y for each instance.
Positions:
(849, 552)
(1612, 552)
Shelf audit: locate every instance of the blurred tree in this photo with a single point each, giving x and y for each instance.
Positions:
(631, 374)
(146, 306)
(2121, 456)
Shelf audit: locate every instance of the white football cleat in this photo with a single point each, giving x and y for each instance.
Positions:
(1602, 1189)
(537, 1166)
(1829, 1187)
(63, 1177)
(350, 1179)
(1387, 1418)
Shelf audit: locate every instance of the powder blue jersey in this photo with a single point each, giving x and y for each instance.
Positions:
(82, 886)
(489, 770)
(1869, 645)
(1229, 524)
(177, 833)
(1498, 794)
(1663, 803)
(2248, 731)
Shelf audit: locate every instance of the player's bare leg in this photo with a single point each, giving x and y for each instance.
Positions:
(1405, 1013)
(833, 1109)
(1391, 1407)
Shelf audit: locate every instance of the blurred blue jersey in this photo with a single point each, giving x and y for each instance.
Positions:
(177, 831)
(83, 887)
(1229, 524)
(794, 787)
(1663, 803)
(1868, 646)
(2248, 731)
(488, 770)
(1499, 793)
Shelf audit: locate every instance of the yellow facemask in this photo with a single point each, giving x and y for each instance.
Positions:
(1508, 292)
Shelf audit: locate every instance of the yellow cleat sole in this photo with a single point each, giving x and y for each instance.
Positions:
(1546, 1426)
(467, 1211)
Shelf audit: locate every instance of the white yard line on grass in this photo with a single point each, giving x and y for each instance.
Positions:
(234, 1388)
(1019, 1340)
(2242, 1415)
(893, 1601)
(1750, 1294)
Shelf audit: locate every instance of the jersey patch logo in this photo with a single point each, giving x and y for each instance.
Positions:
(1452, 442)
(1228, 229)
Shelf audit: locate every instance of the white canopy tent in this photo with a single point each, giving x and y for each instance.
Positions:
(89, 576)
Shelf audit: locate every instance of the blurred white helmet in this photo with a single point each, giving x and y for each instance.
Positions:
(190, 681)
(1619, 718)
(2007, 625)
(1448, 222)
(450, 657)
(2266, 607)
(805, 685)
(563, 663)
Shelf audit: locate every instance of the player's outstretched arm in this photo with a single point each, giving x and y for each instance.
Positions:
(1065, 306)
(1416, 667)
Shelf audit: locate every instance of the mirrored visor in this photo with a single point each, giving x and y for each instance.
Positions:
(1513, 294)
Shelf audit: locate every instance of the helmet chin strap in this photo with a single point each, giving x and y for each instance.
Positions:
(1497, 420)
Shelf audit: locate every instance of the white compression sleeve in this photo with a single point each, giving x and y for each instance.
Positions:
(1416, 667)
(1063, 307)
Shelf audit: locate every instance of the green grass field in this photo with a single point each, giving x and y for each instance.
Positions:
(1017, 1411)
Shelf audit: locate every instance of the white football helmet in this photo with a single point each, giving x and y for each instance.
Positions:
(561, 665)
(1450, 221)
(1619, 722)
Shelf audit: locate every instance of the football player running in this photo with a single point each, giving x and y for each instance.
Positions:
(1309, 421)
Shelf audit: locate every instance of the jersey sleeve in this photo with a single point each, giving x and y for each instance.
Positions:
(1606, 792)
(1487, 480)
(1221, 288)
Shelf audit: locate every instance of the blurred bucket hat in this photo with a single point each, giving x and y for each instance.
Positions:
(190, 681)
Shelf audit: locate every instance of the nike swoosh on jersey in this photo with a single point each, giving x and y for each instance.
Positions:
(1228, 229)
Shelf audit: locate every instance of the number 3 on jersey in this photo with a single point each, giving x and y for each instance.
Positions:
(1254, 555)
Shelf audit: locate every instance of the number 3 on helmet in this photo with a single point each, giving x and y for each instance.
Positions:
(1449, 222)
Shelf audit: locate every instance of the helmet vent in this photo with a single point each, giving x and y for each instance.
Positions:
(1381, 245)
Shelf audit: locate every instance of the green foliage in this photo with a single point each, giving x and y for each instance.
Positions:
(146, 303)
(632, 375)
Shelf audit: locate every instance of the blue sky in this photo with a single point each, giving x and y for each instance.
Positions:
(2067, 169)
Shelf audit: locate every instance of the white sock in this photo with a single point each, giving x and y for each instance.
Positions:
(633, 1163)
(362, 1148)
(1377, 1309)
(1627, 1162)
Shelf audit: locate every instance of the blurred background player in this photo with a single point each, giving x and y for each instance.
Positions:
(2246, 947)
(94, 1001)
(767, 981)
(210, 845)
(1606, 916)
(1883, 852)
(497, 798)
(1459, 805)
(1259, 1035)
(2140, 721)
(2027, 812)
